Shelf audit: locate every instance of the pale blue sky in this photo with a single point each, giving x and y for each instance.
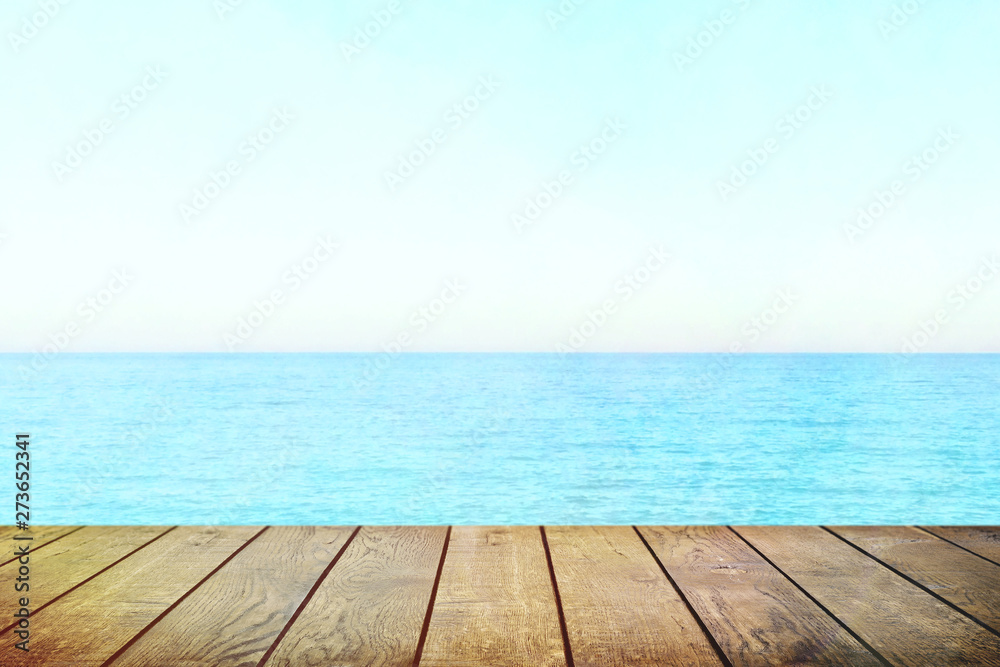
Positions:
(685, 128)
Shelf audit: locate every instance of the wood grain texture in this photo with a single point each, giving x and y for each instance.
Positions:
(967, 581)
(87, 626)
(899, 620)
(41, 536)
(194, 596)
(70, 560)
(495, 604)
(371, 606)
(756, 615)
(620, 609)
(7, 532)
(983, 540)
(235, 616)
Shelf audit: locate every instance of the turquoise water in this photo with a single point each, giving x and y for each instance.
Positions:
(504, 438)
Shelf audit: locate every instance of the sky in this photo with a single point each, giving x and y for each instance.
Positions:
(725, 176)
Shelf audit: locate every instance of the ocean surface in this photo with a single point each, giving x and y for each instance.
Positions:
(506, 438)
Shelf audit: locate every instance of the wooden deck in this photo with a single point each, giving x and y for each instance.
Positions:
(514, 595)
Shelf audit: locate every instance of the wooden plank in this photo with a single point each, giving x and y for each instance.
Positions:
(620, 609)
(370, 608)
(756, 615)
(69, 561)
(7, 532)
(982, 540)
(41, 536)
(967, 581)
(235, 616)
(87, 626)
(495, 604)
(905, 624)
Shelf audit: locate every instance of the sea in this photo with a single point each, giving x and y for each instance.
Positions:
(344, 439)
